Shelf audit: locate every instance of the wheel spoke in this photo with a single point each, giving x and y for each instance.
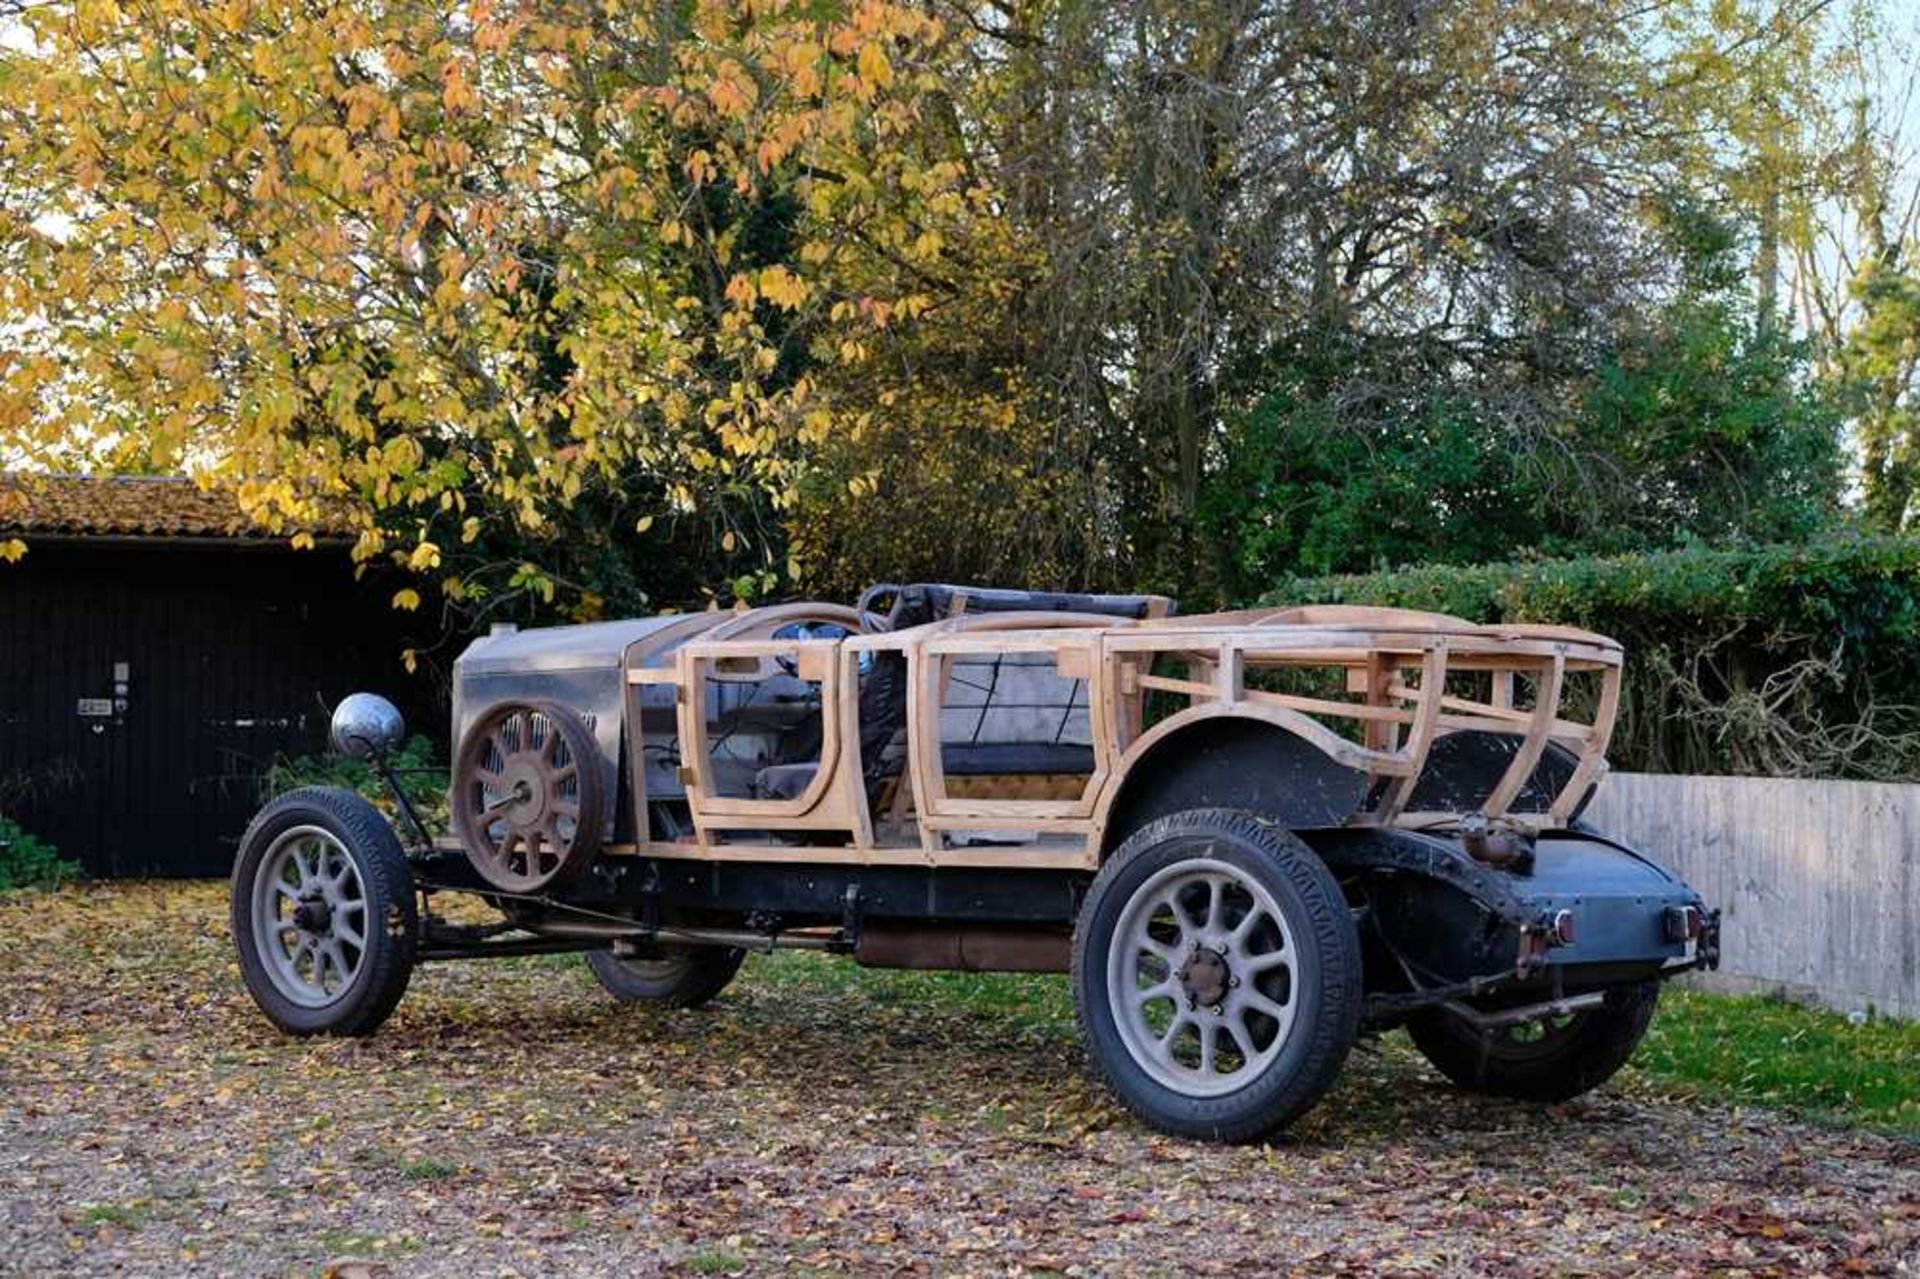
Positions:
(1145, 941)
(1237, 939)
(337, 957)
(1209, 1036)
(1173, 913)
(1242, 1040)
(1260, 1003)
(1163, 1049)
(1168, 989)
(1257, 964)
(1216, 904)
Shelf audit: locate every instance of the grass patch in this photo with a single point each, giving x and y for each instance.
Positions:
(716, 1261)
(1716, 1048)
(361, 1243)
(121, 1215)
(1763, 1051)
(427, 1168)
(1022, 1001)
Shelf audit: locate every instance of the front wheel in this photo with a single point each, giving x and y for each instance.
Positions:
(1216, 973)
(324, 917)
(1552, 1059)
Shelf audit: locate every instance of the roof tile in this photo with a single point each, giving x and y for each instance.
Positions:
(123, 506)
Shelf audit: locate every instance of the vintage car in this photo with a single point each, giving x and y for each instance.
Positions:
(1247, 836)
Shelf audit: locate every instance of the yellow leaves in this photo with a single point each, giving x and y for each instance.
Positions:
(266, 182)
(782, 287)
(801, 62)
(732, 92)
(742, 292)
(12, 550)
(876, 72)
(439, 310)
(456, 94)
(406, 600)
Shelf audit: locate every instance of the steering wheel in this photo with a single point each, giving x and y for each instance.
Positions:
(872, 620)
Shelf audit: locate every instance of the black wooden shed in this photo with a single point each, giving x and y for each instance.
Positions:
(157, 655)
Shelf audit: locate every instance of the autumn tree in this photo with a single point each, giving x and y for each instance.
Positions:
(534, 295)
(1855, 257)
(1374, 206)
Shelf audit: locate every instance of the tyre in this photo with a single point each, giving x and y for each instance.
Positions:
(1553, 1059)
(324, 916)
(1216, 974)
(672, 976)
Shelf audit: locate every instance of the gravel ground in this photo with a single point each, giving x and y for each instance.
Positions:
(511, 1119)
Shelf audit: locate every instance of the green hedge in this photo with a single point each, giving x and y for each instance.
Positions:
(1781, 660)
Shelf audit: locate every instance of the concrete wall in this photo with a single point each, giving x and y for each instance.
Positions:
(1819, 880)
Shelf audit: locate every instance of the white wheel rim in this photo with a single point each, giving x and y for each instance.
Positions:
(1197, 928)
(309, 917)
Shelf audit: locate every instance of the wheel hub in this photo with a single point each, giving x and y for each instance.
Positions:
(313, 916)
(525, 780)
(1205, 977)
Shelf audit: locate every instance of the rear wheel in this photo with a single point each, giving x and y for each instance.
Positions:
(1552, 1059)
(1216, 972)
(672, 976)
(323, 913)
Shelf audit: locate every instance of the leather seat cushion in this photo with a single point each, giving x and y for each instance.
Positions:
(991, 759)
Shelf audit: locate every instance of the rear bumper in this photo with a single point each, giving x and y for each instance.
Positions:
(1622, 907)
(1580, 913)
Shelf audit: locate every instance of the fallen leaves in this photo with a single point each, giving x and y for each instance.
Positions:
(511, 1119)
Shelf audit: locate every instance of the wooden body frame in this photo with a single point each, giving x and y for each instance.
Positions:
(1395, 666)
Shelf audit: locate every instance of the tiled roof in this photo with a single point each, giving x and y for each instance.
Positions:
(120, 506)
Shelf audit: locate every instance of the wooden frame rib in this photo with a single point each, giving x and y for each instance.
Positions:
(1396, 665)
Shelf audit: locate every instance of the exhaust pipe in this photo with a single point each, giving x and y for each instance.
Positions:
(971, 950)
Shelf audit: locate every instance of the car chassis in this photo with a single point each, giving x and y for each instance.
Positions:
(1247, 835)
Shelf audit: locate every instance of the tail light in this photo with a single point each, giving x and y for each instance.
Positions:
(1682, 923)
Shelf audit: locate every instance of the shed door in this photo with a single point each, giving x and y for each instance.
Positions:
(231, 660)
